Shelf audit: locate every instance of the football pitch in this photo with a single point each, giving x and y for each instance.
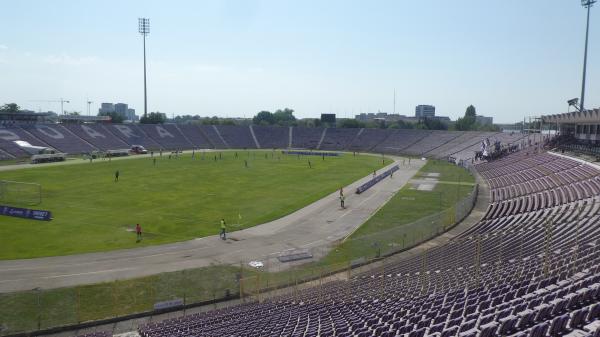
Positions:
(173, 199)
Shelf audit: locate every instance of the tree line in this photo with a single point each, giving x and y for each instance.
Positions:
(285, 117)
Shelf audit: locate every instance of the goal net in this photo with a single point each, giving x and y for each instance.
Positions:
(20, 193)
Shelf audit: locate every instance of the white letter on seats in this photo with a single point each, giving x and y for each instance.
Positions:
(126, 131)
(91, 132)
(162, 132)
(8, 135)
(50, 132)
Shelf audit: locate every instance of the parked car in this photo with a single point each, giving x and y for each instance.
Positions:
(138, 149)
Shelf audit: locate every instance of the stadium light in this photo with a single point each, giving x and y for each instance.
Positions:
(573, 102)
(144, 29)
(586, 4)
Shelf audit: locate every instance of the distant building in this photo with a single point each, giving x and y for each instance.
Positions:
(424, 111)
(365, 117)
(106, 108)
(390, 118)
(484, 120)
(25, 117)
(82, 119)
(131, 115)
(120, 108)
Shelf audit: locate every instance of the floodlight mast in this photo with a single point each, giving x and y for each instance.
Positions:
(144, 29)
(586, 4)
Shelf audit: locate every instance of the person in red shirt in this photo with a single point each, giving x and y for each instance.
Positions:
(138, 232)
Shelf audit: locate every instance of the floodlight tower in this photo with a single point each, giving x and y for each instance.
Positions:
(88, 105)
(62, 105)
(144, 29)
(587, 4)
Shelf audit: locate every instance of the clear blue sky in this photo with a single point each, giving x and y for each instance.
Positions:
(509, 58)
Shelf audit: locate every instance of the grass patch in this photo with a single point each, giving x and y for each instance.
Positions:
(33, 310)
(174, 200)
(396, 225)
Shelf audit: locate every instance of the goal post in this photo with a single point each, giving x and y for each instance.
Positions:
(20, 193)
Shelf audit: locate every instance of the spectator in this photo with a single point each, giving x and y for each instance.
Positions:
(138, 232)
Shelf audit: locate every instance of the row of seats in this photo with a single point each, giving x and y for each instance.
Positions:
(537, 182)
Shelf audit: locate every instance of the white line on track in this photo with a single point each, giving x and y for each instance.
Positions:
(310, 243)
(87, 273)
(69, 275)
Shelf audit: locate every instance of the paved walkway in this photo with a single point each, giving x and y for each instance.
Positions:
(311, 228)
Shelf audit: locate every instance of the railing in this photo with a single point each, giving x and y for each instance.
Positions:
(581, 148)
(252, 280)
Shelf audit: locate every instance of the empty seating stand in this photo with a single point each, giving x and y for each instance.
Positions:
(195, 136)
(272, 137)
(98, 136)
(431, 142)
(399, 140)
(306, 138)
(338, 139)
(210, 132)
(237, 137)
(167, 136)
(83, 138)
(133, 135)
(367, 139)
(59, 138)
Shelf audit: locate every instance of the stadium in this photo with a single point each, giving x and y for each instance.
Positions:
(398, 226)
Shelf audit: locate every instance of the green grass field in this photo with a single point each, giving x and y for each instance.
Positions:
(176, 200)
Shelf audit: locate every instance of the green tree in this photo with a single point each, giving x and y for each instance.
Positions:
(210, 121)
(10, 108)
(154, 118)
(401, 125)
(186, 119)
(488, 127)
(308, 122)
(284, 117)
(264, 118)
(350, 123)
(376, 124)
(468, 122)
(217, 121)
(471, 112)
(432, 124)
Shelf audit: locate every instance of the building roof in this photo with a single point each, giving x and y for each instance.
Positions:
(84, 118)
(23, 115)
(575, 117)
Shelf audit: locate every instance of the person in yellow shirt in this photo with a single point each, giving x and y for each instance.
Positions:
(223, 234)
